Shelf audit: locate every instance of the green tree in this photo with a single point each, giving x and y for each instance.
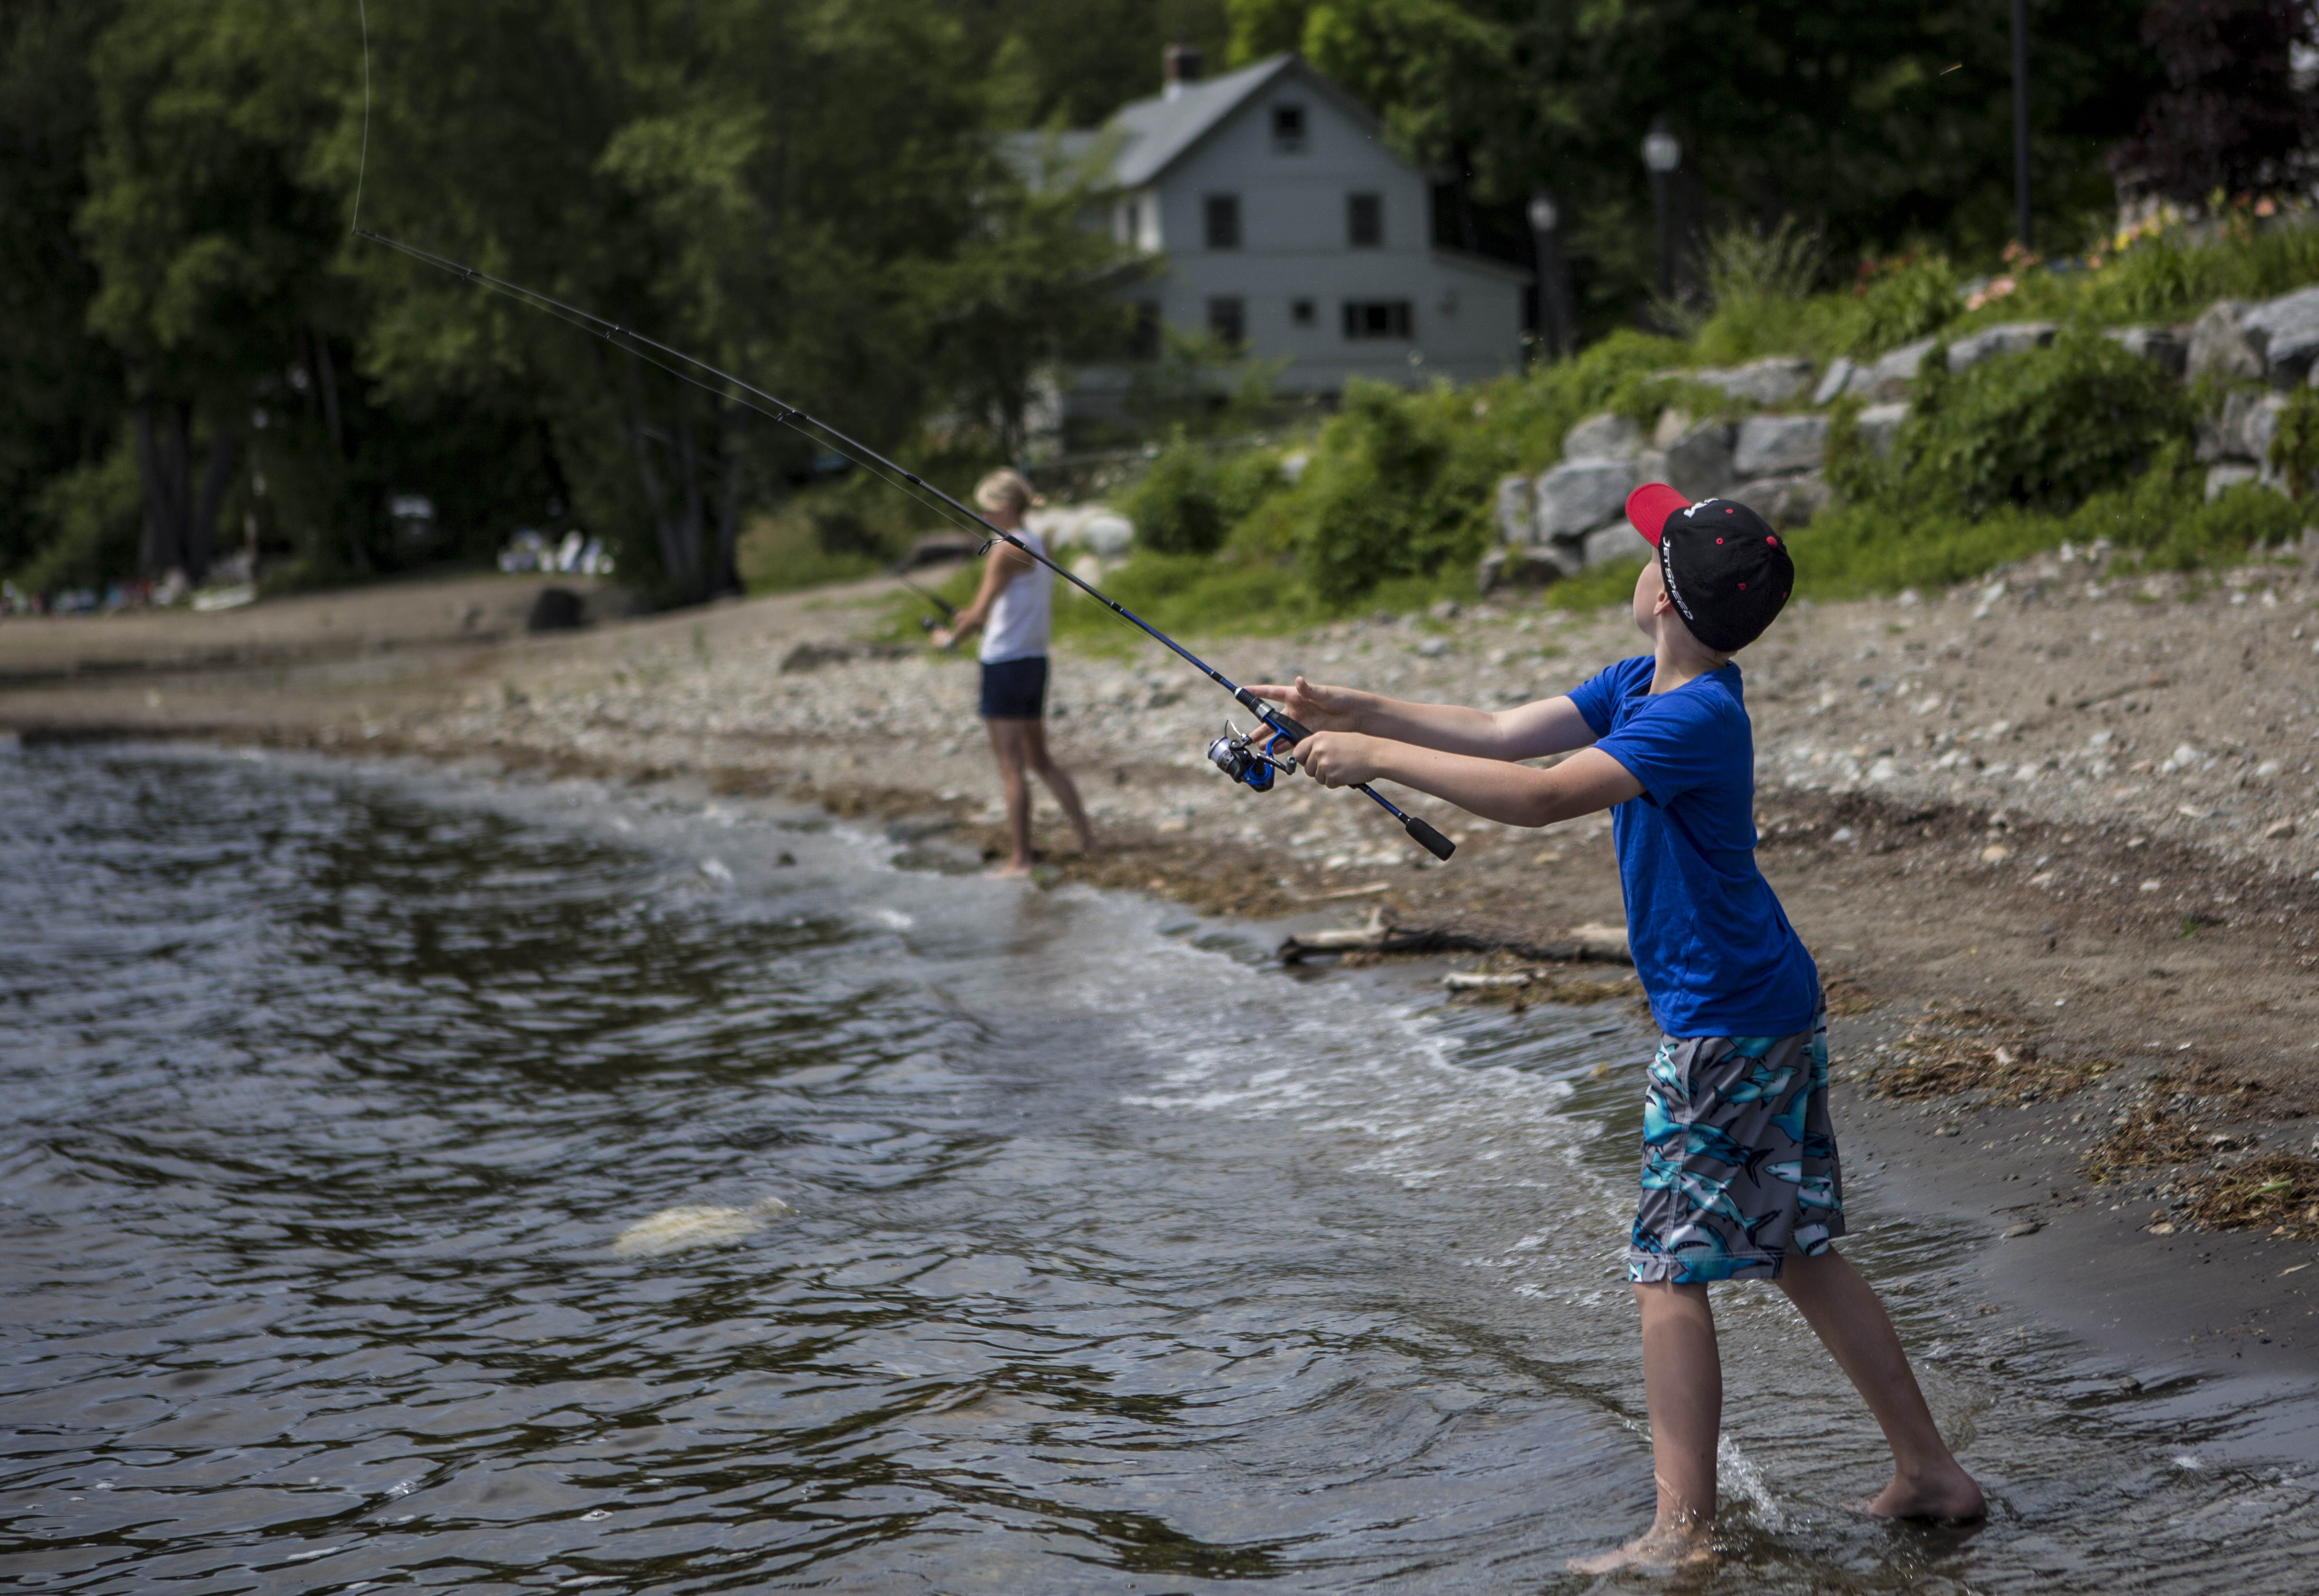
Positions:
(799, 192)
(1871, 124)
(211, 247)
(59, 384)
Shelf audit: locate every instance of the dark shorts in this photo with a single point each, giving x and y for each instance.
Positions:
(1739, 1164)
(1014, 690)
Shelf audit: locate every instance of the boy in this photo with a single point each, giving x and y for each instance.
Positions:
(1740, 1175)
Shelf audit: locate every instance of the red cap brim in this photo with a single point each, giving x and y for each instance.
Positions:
(1648, 507)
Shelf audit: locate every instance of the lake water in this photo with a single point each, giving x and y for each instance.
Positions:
(1115, 1258)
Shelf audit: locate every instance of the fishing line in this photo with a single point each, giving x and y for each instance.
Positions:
(917, 489)
(362, 164)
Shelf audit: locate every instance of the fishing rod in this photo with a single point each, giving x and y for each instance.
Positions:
(926, 623)
(1236, 753)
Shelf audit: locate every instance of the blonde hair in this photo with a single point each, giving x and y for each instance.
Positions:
(1006, 489)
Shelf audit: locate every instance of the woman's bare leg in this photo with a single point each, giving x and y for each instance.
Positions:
(1843, 1311)
(1682, 1382)
(1058, 782)
(1009, 746)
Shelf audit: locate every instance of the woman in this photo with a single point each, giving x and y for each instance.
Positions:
(1012, 610)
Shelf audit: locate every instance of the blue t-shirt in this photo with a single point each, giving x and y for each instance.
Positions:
(1713, 947)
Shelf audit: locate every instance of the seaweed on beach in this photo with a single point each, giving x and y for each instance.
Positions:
(2276, 1189)
(2150, 1134)
(1954, 1051)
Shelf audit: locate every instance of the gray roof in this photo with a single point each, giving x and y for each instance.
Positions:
(1159, 131)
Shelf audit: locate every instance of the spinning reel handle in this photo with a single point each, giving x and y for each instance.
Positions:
(1427, 838)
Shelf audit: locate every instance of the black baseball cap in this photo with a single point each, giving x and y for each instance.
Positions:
(1727, 570)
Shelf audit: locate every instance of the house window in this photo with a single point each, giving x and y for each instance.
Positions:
(1224, 220)
(1364, 220)
(1144, 330)
(1300, 312)
(1228, 320)
(1288, 130)
(1377, 319)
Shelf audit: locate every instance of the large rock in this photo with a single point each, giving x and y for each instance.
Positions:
(1517, 510)
(2243, 431)
(1606, 437)
(2007, 337)
(1878, 425)
(1835, 380)
(1778, 379)
(1615, 544)
(1699, 460)
(2222, 479)
(2285, 331)
(1774, 444)
(1523, 567)
(1788, 502)
(1890, 378)
(2162, 347)
(2219, 347)
(1579, 495)
(2257, 426)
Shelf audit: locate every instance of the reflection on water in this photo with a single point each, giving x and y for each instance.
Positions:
(411, 1184)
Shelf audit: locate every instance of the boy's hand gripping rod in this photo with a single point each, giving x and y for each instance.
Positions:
(796, 421)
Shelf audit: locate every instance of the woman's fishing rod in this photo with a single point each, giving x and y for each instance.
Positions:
(925, 622)
(1233, 755)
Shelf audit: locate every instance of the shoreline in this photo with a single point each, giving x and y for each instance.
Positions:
(2045, 934)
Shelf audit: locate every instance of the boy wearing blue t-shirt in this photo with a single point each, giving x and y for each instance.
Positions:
(1740, 1175)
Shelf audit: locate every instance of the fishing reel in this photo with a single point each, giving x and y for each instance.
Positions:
(1236, 754)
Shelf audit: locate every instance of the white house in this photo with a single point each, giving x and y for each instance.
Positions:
(1290, 227)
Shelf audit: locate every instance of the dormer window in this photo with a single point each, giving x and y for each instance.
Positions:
(1288, 130)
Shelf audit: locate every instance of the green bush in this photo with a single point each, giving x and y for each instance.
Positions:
(1387, 493)
(1905, 300)
(2295, 447)
(2044, 428)
(96, 513)
(1191, 497)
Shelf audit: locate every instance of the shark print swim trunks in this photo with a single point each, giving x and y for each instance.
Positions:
(1739, 1163)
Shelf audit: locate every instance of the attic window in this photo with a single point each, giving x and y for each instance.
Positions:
(1364, 220)
(1300, 312)
(1288, 130)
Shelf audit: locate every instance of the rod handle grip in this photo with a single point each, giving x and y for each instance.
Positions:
(1431, 841)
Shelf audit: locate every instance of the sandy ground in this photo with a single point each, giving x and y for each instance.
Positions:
(2053, 838)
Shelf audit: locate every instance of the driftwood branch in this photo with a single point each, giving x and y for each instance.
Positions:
(1599, 944)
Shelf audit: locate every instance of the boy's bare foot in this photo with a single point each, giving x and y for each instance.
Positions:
(1014, 869)
(1949, 1497)
(1655, 1551)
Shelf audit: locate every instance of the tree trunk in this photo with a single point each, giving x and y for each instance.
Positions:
(725, 577)
(326, 377)
(161, 450)
(679, 557)
(200, 529)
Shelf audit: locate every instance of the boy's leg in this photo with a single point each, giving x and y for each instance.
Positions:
(1058, 782)
(1683, 1384)
(1008, 746)
(1843, 1311)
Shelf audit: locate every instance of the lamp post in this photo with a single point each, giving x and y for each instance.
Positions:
(2021, 119)
(1553, 300)
(1663, 154)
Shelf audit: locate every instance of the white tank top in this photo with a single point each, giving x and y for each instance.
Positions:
(1018, 626)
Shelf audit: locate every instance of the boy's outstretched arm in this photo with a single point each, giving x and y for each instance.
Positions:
(1548, 726)
(1516, 795)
